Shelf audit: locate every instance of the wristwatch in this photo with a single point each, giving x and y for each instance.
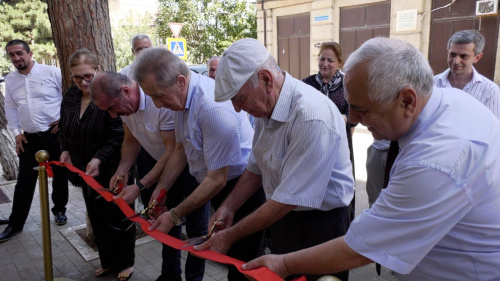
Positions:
(175, 217)
(140, 185)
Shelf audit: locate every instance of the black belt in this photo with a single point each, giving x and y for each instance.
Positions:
(39, 134)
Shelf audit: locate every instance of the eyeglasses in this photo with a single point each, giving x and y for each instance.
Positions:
(87, 77)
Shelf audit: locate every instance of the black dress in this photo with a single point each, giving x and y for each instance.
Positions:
(97, 135)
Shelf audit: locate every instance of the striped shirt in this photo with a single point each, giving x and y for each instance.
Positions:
(480, 87)
(214, 135)
(302, 152)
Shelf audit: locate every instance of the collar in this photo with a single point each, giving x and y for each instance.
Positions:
(194, 78)
(142, 99)
(429, 109)
(282, 107)
(443, 77)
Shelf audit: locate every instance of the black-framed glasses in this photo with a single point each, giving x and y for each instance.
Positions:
(87, 77)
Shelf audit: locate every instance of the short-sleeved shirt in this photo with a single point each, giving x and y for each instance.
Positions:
(438, 218)
(480, 87)
(147, 123)
(33, 101)
(214, 135)
(301, 151)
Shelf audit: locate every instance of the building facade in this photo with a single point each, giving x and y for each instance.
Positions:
(293, 30)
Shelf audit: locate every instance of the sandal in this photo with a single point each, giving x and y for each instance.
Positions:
(100, 272)
(125, 274)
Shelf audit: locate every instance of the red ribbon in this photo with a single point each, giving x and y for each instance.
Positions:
(262, 273)
(48, 169)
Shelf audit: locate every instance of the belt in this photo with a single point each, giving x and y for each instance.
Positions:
(39, 134)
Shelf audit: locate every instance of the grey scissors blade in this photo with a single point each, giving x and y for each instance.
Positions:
(193, 241)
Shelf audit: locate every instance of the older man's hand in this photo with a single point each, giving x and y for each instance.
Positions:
(220, 242)
(163, 223)
(276, 263)
(129, 193)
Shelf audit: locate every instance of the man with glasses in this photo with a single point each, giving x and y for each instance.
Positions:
(33, 97)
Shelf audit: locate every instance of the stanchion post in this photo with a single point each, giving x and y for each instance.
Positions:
(42, 156)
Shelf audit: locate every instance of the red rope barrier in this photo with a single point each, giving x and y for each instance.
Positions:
(260, 274)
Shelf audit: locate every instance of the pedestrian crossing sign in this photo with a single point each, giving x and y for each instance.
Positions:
(178, 47)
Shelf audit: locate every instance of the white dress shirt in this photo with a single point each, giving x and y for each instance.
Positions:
(33, 101)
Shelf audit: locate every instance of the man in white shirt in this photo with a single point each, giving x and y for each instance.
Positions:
(33, 96)
(465, 48)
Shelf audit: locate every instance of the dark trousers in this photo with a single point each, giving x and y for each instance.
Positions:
(27, 177)
(196, 221)
(115, 244)
(251, 246)
(298, 230)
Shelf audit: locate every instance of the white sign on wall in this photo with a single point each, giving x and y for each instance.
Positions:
(406, 20)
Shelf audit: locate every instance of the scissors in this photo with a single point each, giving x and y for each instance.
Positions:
(155, 204)
(114, 189)
(204, 238)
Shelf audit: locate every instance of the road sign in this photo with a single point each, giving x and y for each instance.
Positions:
(175, 28)
(178, 47)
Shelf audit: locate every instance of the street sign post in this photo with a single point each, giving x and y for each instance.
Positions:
(178, 47)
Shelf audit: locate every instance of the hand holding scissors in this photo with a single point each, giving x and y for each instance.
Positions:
(115, 189)
(154, 205)
(198, 240)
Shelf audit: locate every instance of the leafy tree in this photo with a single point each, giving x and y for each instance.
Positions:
(123, 31)
(27, 20)
(208, 26)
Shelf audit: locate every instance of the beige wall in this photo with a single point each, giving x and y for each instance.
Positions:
(329, 30)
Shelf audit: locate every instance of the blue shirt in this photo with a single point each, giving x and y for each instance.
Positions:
(214, 135)
(302, 151)
(438, 219)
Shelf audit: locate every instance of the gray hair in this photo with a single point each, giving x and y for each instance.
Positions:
(164, 64)
(466, 37)
(391, 65)
(109, 84)
(139, 37)
(271, 65)
(210, 59)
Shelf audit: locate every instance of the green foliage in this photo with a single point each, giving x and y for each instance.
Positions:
(26, 20)
(122, 34)
(208, 26)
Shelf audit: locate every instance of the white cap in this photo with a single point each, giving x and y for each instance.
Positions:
(237, 64)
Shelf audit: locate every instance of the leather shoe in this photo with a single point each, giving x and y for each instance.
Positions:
(61, 218)
(4, 220)
(8, 233)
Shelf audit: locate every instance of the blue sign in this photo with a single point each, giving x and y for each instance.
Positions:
(177, 46)
(321, 18)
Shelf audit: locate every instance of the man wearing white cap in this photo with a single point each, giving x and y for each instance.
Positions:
(211, 137)
(300, 156)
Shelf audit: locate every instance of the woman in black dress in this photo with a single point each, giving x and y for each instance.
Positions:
(91, 141)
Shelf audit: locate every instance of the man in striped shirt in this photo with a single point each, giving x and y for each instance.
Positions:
(465, 48)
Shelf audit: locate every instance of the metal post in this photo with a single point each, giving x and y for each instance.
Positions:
(42, 156)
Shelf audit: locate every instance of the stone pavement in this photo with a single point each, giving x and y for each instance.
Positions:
(21, 258)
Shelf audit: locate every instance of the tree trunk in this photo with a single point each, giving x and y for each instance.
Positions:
(8, 156)
(81, 24)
